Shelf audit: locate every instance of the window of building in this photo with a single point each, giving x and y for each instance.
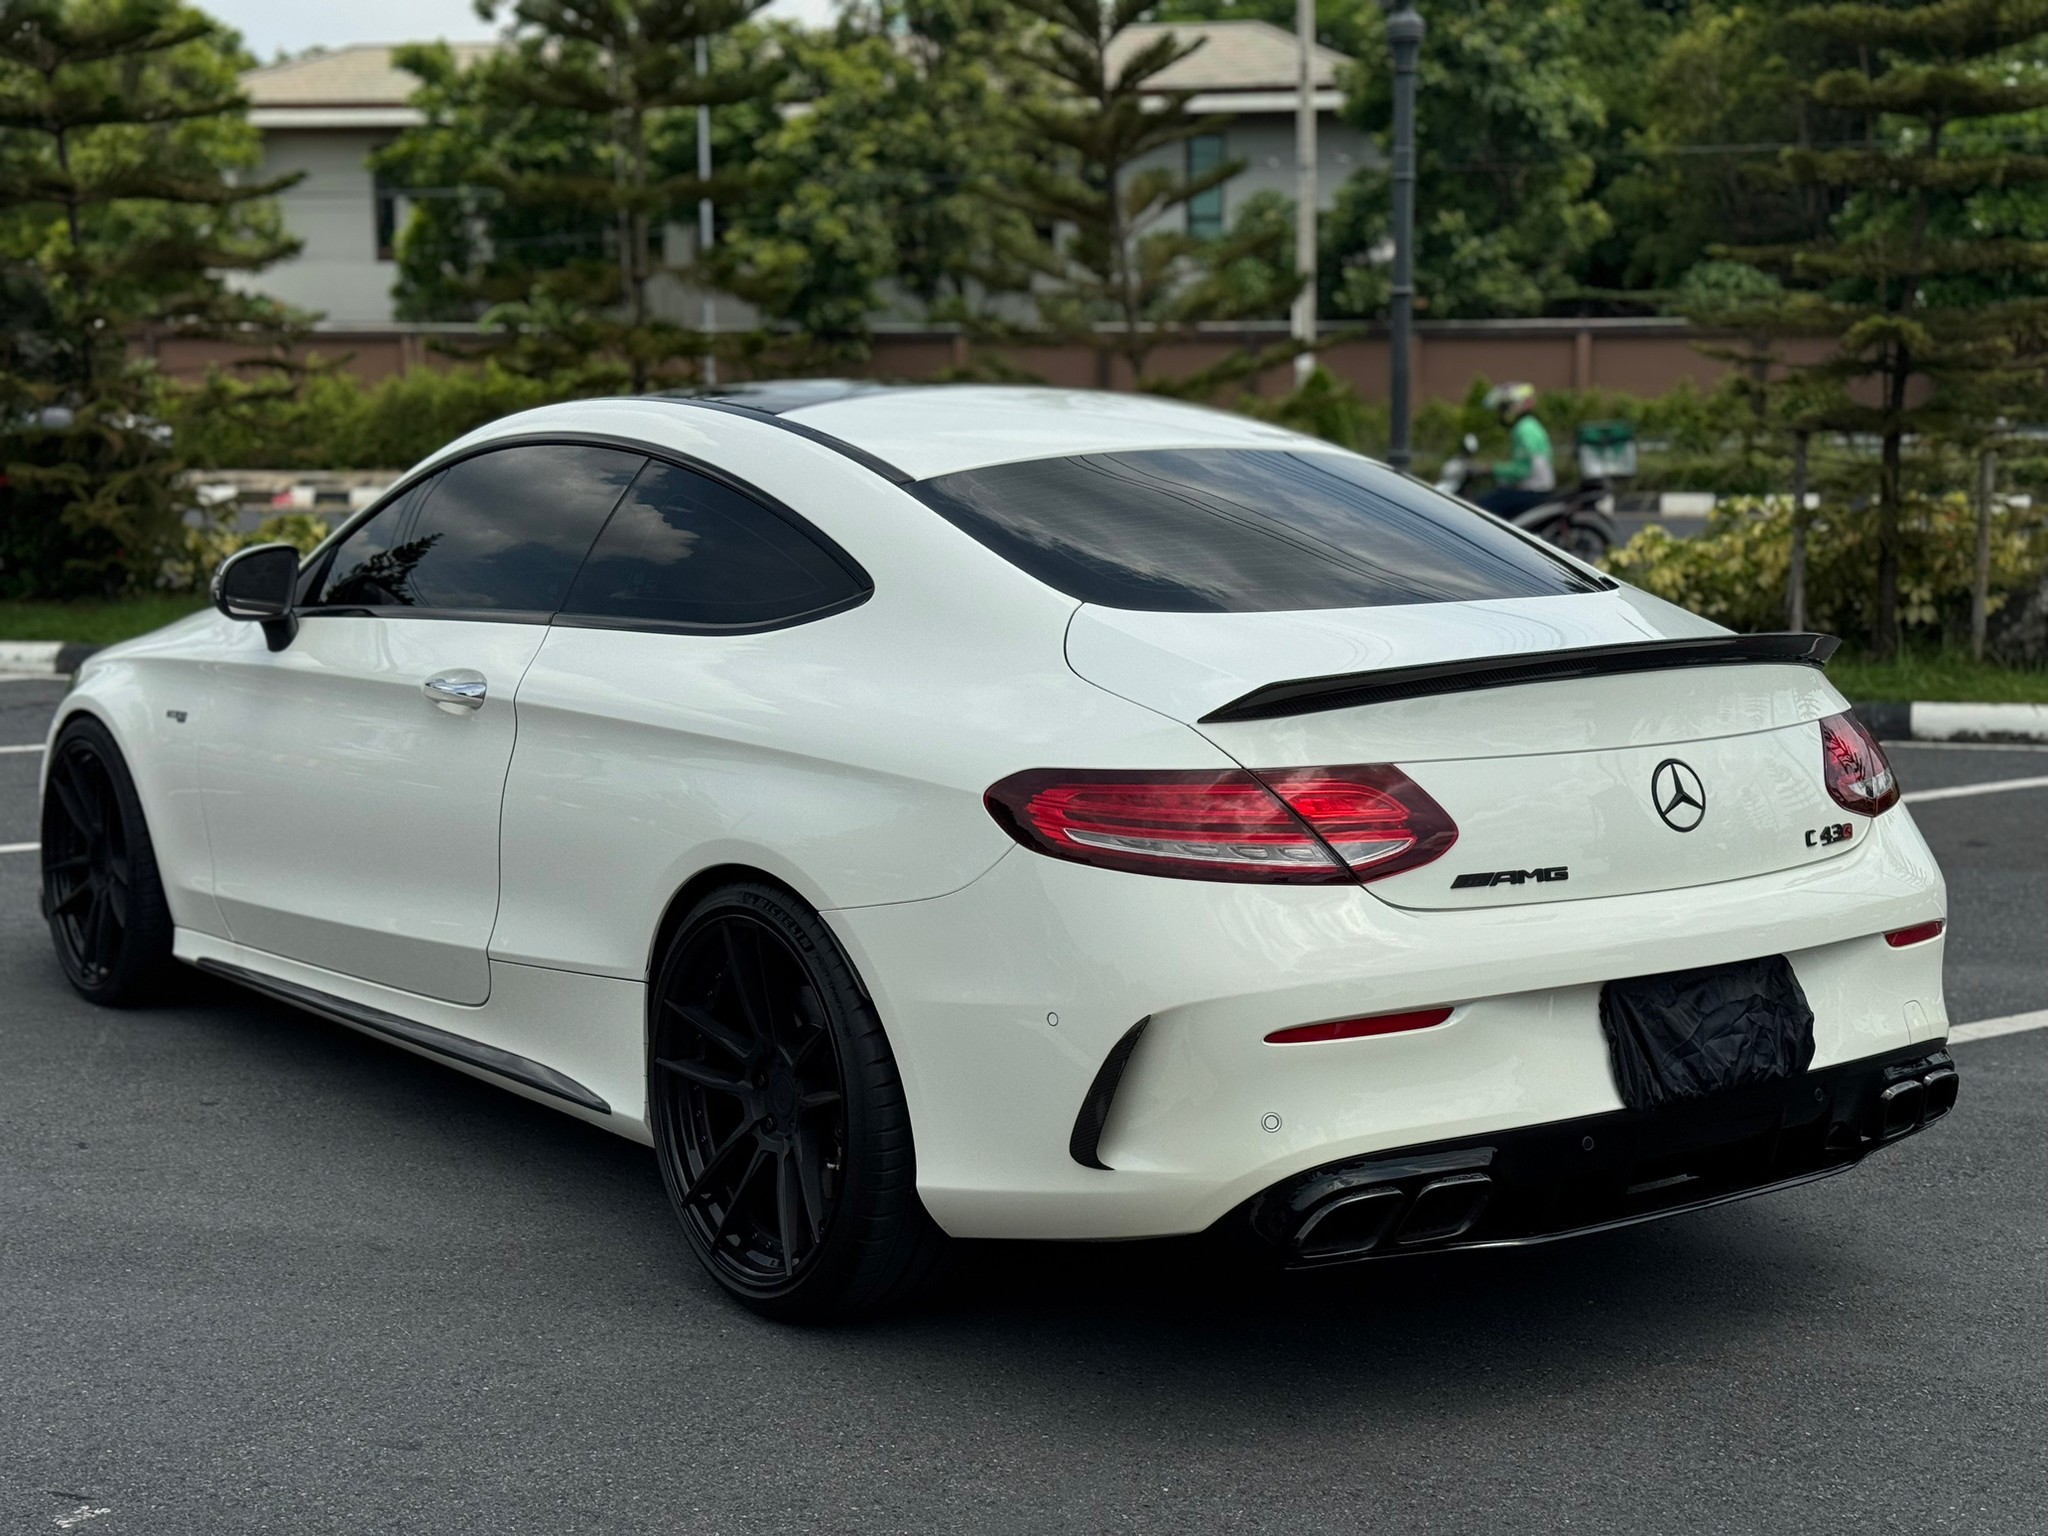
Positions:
(1205, 209)
(385, 200)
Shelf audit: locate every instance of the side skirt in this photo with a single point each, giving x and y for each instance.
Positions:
(376, 1021)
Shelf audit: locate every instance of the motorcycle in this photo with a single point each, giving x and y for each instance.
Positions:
(1579, 521)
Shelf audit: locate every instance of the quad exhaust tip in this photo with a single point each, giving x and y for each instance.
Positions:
(1354, 1224)
(1916, 1101)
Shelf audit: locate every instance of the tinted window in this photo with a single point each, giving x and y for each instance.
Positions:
(1241, 531)
(503, 531)
(684, 549)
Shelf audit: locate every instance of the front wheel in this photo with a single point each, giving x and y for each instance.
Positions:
(778, 1115)
(102, 896)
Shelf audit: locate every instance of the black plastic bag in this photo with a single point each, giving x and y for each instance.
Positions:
(1689, 1034)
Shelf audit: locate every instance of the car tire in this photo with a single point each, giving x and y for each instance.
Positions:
(102, 894)
(778, 1114)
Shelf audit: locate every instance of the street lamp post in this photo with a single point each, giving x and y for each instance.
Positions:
(706, 230)
(1305, 195)
(1405, 31)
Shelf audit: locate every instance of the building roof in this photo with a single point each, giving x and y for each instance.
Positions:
(361, 75)
(1234, 56)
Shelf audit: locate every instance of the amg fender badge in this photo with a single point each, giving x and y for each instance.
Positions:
(1510, 877)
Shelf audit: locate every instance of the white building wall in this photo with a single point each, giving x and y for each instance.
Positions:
(334, 211)
(1265, 142)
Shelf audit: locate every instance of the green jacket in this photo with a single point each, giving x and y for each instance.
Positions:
(1531, 468)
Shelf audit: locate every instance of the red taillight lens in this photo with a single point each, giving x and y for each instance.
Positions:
(1919, 933)
(1859, 778)
(1298, 826)
(1195, 825)
(1355, 1029)
(1375, 818)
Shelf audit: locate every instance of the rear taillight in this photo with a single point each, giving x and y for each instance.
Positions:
(1297, 826)
(1859, 778)
(1375, 818)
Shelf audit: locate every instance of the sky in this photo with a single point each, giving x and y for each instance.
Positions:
(268, 26)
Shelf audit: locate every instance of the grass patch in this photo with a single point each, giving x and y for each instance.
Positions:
(1947, 677)
(98, 623)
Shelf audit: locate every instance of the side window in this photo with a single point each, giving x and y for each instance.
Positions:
(683, 549)
(502, 532)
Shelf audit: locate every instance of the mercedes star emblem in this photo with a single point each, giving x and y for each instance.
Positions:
(1678, 794)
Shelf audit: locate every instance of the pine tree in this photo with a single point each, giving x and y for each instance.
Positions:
(122, 139)
(1934, 328)
(1102, 270)
(629, 70)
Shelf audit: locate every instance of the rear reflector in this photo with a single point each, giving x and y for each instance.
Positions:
(1354, 1029)
(1303, 826)
(1859, 778)
(1919, 933)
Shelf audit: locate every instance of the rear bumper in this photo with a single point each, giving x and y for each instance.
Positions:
(1004, 1001)
(1601, 1171)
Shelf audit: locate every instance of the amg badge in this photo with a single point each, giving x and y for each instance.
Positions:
(1510, 877)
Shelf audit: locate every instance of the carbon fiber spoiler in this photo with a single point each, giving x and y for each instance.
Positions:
(1348, 690)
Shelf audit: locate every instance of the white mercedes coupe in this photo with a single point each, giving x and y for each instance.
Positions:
(1022, 813)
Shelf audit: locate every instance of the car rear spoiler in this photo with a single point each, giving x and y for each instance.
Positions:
(1308, 695)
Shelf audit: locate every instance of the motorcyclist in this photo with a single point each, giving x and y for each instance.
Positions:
(1528, 476)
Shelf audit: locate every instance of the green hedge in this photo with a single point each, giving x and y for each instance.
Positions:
(336, 421)
(1734, 573)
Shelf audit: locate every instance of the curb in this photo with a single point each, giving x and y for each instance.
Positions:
(1924, 721)
(43, 658)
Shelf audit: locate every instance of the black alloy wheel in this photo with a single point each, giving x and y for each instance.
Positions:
(778, 1118)
(101, 893)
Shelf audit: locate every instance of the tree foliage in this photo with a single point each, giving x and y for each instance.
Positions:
(1107, 263)
(870, 189)
(1932, 328)
(1506, 118)
(122, 206)
(621, 79)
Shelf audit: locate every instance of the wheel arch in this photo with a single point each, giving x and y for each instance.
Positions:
(692, 891)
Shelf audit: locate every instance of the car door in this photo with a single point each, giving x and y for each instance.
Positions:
(691, 703)
(353, 780)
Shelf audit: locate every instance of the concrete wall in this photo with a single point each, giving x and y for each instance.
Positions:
(334, 211)
(1639, 357)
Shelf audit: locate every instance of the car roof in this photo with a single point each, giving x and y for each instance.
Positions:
(928, 430)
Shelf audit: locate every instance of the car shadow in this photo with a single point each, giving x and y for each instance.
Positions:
(1100, 1327)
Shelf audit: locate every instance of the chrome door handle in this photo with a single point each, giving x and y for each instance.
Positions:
(456, 690)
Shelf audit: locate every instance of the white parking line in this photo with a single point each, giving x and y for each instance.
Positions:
(1990, 1029)
(19, 847)
(1957, 791)
(1965, 746)
(33, 746)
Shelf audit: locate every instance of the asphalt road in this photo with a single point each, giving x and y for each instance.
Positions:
(260, 1274)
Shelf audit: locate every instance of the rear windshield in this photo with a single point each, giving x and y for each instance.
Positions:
(1237, 530)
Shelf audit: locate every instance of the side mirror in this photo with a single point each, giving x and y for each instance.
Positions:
(258, 585)
(1471, 443)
